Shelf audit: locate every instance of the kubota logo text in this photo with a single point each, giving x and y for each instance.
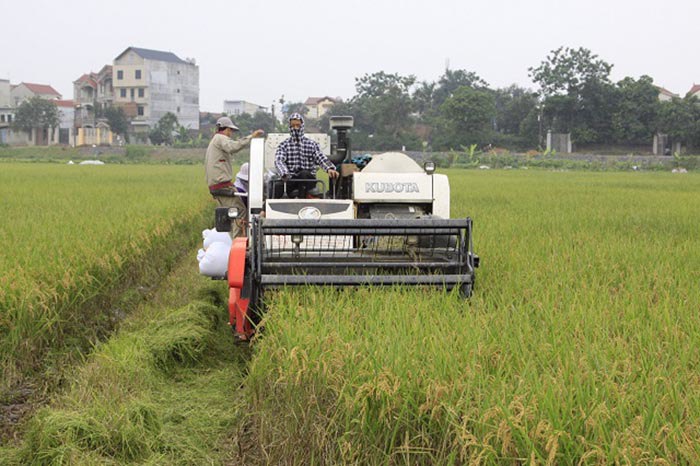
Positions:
(391, 188)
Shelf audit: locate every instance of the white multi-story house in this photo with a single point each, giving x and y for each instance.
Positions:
(239, 107)
(150, 83)
(319, 106)
(6, 112)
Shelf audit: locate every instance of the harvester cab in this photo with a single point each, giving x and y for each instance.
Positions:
(384, 221)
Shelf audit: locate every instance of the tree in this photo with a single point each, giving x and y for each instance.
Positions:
(566, 71)
(294, 107)
(678, 118)
(453, 80)
(117, 120)
(576, 92)
(36, 113)
(384, 101)
(596, 106)
(163, 132)
(248, 123)
(466, 118)
(513, 105)
(634, 119)
(346, 109)
(424, 98)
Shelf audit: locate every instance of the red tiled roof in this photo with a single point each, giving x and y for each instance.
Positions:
(665, 91)
(64, 103)
(44, 89)
(694, 89)
(105, 71)
(316, 100)
(88, 78)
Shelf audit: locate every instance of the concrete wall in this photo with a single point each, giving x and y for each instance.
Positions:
(559, 142)
(174, 87)
(16, 138)
(5, 99)
(67, 118)
(97, 136)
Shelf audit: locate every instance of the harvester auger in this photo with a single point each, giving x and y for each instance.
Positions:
(383, 223)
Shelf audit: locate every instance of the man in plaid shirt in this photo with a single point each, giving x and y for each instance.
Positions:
(298, 157)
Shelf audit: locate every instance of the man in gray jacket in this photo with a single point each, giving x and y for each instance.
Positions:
(219, 171)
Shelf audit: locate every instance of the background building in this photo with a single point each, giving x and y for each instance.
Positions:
(6, 112)
(150, 83)
(64, 134)
(18, 94)
(92, 94)
(5, 93)
(24, 91)
(318, 106)
(238, 107)
(665, 95)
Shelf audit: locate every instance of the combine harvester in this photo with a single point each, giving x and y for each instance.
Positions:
(384, 223)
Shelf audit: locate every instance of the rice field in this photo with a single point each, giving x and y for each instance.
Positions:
(581, 344)
(69, 234)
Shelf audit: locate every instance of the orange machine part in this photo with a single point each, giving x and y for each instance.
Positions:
(237, 306)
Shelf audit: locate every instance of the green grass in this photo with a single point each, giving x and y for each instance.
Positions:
(73, 235)
(39, 153)
(580, 345)
(128, 154)
(162, 390)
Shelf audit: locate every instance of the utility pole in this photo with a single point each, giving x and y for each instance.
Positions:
(272, 130)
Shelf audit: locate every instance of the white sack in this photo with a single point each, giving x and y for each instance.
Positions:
(213, 236)
(214, 263)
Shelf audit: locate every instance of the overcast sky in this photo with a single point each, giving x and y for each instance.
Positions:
(260, 50)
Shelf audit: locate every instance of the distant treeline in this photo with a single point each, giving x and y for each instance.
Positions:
(460, 109)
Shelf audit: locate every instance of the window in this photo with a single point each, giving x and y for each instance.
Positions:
(178, 91)
(138, 74)
(9, 118)
(120, 74)
(132, 93)
(139, 110)
(2, 118)
(141, 93)
(178, 110)
(122, 92)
